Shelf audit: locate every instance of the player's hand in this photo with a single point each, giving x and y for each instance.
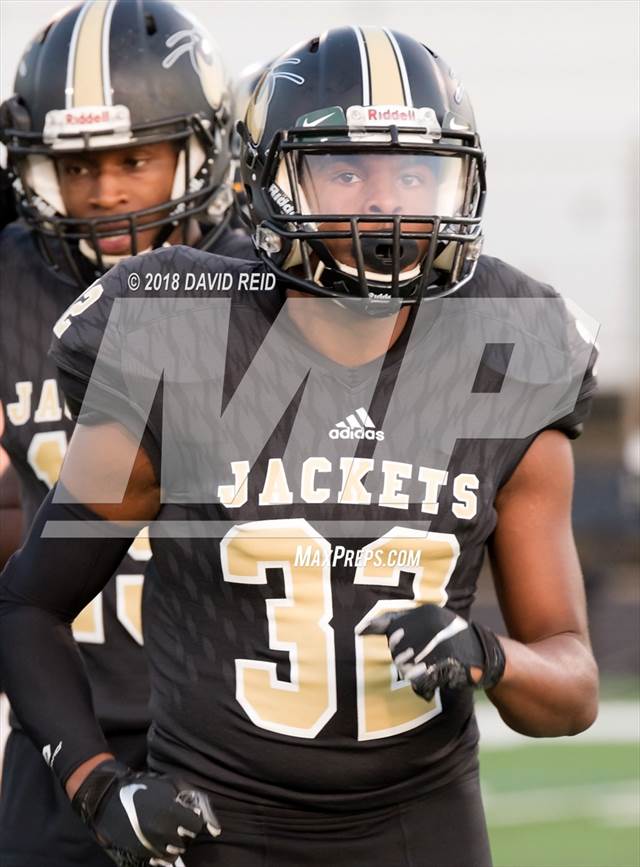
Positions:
(142, 819)
(433, 647)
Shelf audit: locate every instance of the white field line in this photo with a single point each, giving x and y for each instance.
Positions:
(615, 804)
(618, 722)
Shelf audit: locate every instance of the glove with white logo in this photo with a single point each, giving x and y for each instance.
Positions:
(433, 647)
(142, 819)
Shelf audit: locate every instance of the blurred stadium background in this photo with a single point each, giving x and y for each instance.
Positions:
(555, 88)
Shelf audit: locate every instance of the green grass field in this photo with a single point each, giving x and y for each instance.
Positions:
(569, 805)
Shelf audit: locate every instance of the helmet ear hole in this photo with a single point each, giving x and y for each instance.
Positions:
(150, 24)
(14, 115)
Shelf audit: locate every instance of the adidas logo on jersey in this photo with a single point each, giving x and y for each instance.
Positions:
(357, 426)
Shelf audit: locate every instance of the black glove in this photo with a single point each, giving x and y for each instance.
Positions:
(142, 819)
(432, 647)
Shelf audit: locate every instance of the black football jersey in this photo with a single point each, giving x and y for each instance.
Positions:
(350, 502)
(37, 429)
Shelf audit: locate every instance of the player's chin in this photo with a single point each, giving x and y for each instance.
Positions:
(123, 245)
(115, 245)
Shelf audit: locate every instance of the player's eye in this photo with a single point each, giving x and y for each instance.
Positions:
(136, 162)
(347, 178)
(409, 181)
(75, 170)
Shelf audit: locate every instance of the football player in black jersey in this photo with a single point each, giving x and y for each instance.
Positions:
(9, 485)
(318, 526)
(10, 511)
(117, 138)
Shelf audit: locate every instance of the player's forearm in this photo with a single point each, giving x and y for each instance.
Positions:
(549, 688)
(42, 589)
(46, 682)
(77, 778)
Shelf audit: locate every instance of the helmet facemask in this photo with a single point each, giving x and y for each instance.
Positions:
(196, 189)
(105, 76)
(387, 213)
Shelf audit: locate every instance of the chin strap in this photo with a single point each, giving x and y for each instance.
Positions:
(332, 274)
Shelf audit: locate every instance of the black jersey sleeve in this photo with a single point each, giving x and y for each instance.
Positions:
(88, 331)
(111, 348)
(235, 243)
(572, 423)
(87, 347)
(565, 331)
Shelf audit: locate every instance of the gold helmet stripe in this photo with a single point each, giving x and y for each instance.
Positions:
(106, 62)
(384, 69)
(88, 71)
(364, 67)
(401, 66)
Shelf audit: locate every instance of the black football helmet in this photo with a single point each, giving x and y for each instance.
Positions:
(364, 170)
(113, 73)
(244, 86)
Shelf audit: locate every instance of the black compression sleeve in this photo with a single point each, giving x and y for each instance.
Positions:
(43, 587)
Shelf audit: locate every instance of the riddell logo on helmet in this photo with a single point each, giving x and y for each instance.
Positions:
(114, 120)
(281, 199)
(359, 117)
(391, 114)
(86, 117)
